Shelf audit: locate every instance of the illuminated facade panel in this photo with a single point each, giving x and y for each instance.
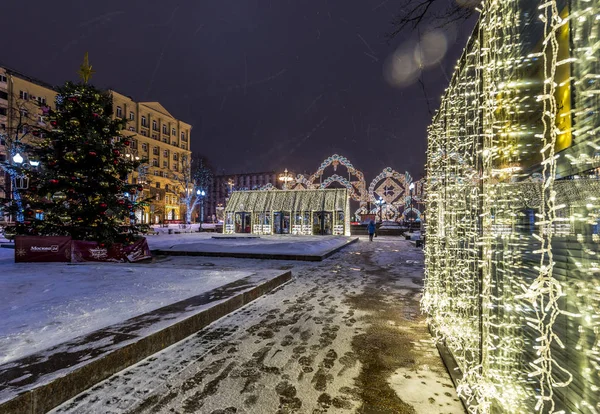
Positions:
(513, 218)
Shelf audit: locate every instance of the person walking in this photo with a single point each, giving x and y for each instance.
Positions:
(371, 230)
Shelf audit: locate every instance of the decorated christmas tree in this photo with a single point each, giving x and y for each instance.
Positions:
(79, 188)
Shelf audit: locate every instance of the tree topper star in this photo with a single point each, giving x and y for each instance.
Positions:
(85, 70)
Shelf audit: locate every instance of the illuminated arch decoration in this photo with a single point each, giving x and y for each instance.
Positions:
(301, 183)
(268, 187)
(389, 212)
(355, 177)
(393, 188)
(414, 210)
(338, 179)
(389, 185)
(360, 211)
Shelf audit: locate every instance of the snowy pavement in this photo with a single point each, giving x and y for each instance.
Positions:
(346, 335)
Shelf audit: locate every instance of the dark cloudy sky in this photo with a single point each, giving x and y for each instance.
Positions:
(266, 84)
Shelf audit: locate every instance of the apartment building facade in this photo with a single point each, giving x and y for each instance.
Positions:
(154, 133)
(21, 98)
(222, 186)
(164, 141)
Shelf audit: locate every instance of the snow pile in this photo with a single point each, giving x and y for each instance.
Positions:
(46, 304)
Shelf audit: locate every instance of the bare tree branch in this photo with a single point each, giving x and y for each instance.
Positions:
(437, 13)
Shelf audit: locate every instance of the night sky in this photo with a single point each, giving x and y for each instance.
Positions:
(266, 84)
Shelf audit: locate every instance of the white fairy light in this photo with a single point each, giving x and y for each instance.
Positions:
(495, 293)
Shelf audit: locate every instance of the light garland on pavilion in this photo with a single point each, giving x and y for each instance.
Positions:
(496, 293)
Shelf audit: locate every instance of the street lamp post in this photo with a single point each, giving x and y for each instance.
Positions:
(201, 194)
(20, 181)
(230, 184)
(411, 188)
(285, 177)
(380, 203)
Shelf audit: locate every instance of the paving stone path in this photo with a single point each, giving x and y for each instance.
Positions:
(346, 335)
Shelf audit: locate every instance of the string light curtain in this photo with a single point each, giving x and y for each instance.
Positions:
(512, 284)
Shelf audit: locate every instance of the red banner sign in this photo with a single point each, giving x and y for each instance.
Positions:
(42, 249)
(63, 249)
(138, 251)
(89, 251)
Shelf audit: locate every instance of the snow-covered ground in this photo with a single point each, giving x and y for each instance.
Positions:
(346, 335)
(44, 304)
(271, 244)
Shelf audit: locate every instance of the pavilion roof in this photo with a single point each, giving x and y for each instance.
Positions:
(289, 200)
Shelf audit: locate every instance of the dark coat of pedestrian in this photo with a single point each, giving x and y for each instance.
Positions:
(371, 229)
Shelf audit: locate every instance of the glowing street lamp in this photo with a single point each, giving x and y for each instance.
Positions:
(285, 177)
(411, 188)
(380, 202)
(201, 193)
